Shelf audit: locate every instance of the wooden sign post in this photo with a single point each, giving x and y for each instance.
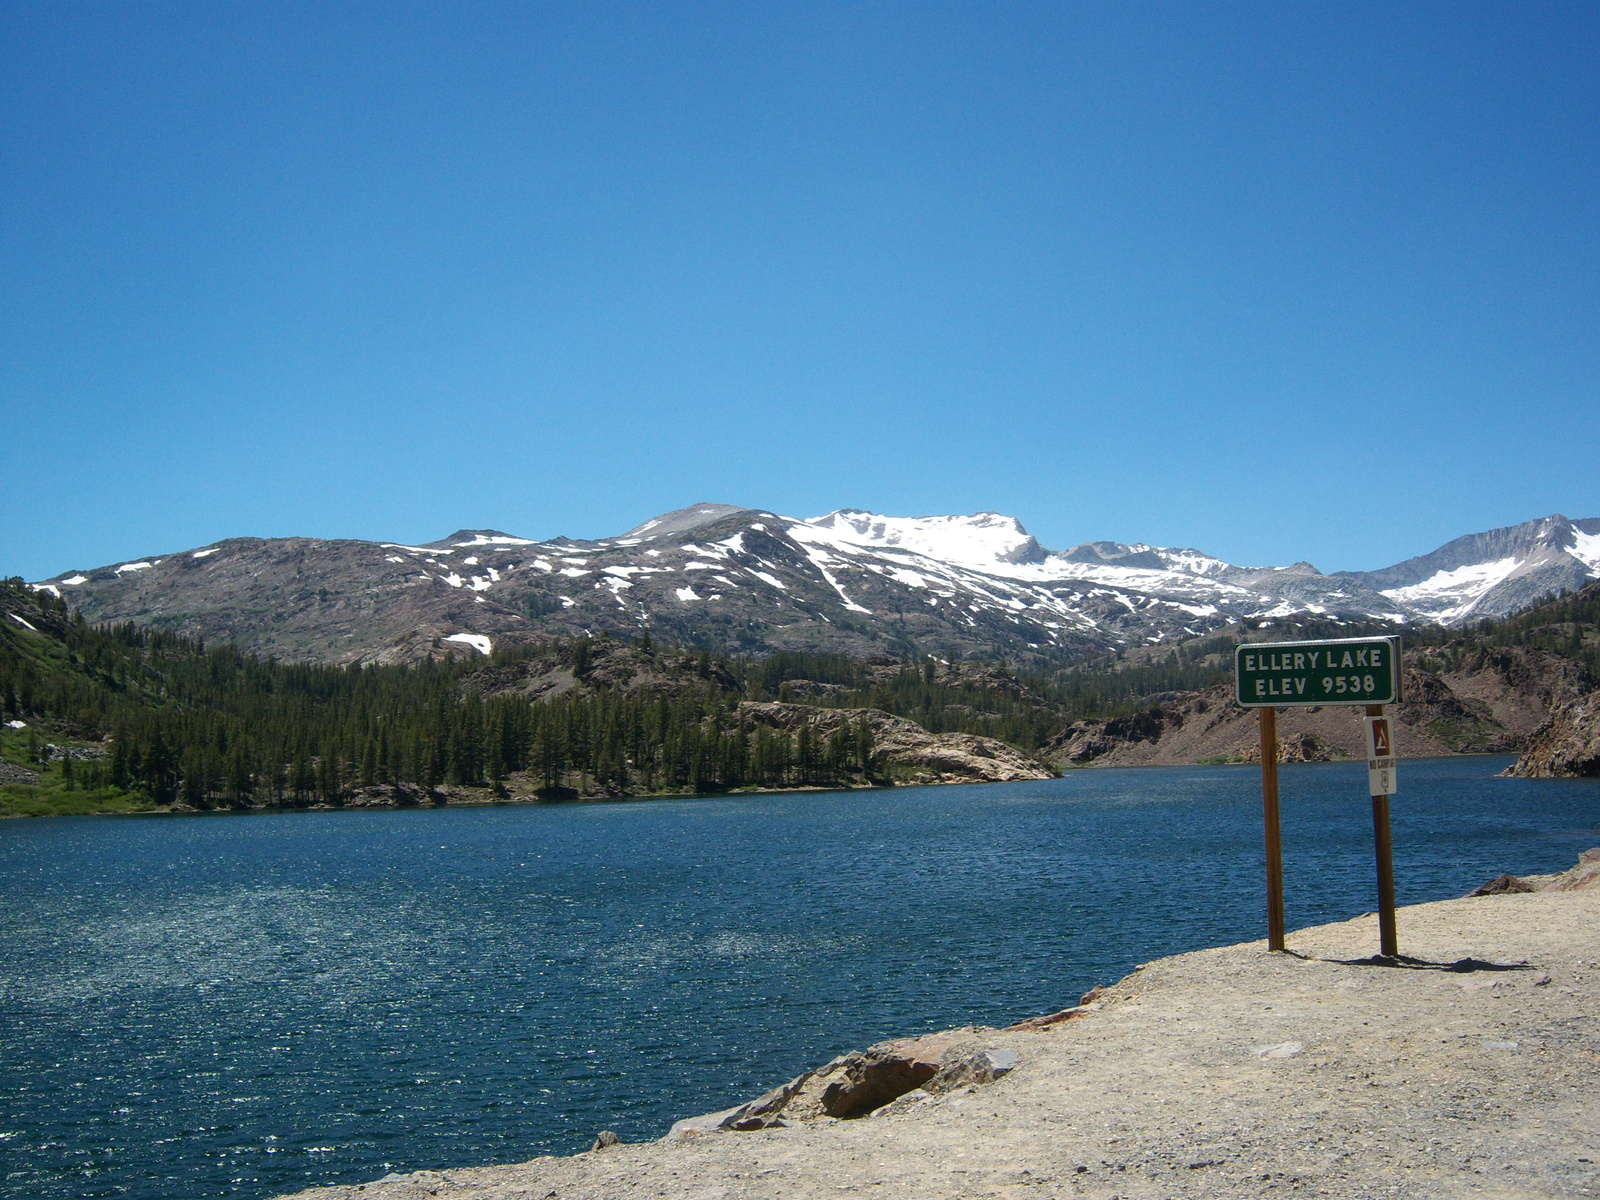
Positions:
(1269, 813)
(1344, 672)
(1381, 783)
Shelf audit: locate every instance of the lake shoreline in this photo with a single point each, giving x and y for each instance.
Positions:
(1228, 1071)
(466, 797)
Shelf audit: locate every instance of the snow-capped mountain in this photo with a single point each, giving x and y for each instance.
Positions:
(1488, 574)
(750, 580)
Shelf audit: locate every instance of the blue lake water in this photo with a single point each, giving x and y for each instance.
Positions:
(246, 1005)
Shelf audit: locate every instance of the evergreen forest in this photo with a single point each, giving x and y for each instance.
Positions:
(119, 718)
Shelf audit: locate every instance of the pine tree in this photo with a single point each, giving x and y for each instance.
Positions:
(301, 780)
(194, 787)
(241, 783)
(864, 746)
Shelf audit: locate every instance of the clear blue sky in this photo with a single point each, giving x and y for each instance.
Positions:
(1278, 281)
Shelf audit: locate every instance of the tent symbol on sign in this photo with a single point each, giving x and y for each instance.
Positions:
(1380, 737)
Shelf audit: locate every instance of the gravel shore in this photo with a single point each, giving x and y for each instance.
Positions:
(1229, 1072)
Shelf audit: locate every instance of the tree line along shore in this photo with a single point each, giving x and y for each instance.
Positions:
(124, 718)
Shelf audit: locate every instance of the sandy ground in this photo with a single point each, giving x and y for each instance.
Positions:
(1226, 1072)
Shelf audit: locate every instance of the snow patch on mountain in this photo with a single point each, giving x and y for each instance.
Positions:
(1447, 596)
(1586, 549)
(476, 640)
(982, 540)
(499, 539)
(821, 560)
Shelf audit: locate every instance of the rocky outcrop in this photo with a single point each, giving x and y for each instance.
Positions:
(1576, 879)
(1566, 745)
(865, 1082)
(1299, 747)
(1579, 878)
(11, 773)
(903, 749)
(1203, 726)
(1504, 885)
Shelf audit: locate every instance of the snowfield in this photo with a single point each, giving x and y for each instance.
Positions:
(1448, 596)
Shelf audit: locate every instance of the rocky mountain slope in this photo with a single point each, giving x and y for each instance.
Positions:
(1494, 573)
(751, 581)
(1521, 683)
(1487, 709)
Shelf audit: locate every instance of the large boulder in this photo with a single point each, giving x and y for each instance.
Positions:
(863, 1082)
(873, 1077)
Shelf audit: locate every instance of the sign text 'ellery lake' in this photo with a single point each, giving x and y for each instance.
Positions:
(1357, 671)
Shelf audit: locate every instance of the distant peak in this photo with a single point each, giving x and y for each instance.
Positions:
(479, 537)
(682, 520)
(1114, 554)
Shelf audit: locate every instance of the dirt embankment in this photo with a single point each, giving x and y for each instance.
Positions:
(1466, 1068)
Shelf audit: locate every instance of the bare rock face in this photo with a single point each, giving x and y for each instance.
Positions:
(1579, 878)
(872, 1078)
(916, 754)
(970, 1067)
(766, 1109)
(855, 1084)
(11, 773)
(1296, 748)
(1567, 744)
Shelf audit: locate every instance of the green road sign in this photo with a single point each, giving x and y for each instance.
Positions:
(1294, 674)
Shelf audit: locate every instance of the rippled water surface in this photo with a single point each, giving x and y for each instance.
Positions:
(245, 1005)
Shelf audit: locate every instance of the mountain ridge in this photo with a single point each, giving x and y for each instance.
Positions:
(749, 580)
